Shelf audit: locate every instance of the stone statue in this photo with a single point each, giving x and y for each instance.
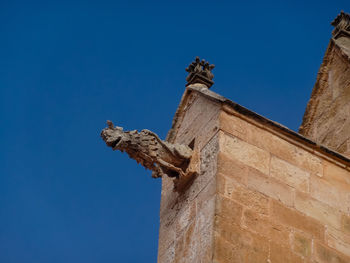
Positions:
(200, 72)
(145, 147)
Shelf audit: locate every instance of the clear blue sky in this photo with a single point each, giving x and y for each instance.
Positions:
(67, 67)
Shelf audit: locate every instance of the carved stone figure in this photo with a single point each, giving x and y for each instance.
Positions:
(341, 24)
(200, 72)
(145, 147)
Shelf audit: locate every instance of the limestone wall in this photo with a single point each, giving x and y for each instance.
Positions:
(263, 193)
(187, 217)
(277, 200)
(326, 120)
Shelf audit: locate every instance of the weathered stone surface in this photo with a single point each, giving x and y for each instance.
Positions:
(228, 210)
(338, 240)
(200, 115)
(302, 244)
(263, 193)
(326, 117)
(327, 193)
(145, 147)
(264, 226)
(187, 216)
(232, 168)
(272, 200)
(167, 255)
(251, 199)
(345, 224)
(289, 174)
(337, 176)
(324, 254)
(245, 153)
(234, 244)
(200, 72)
(185, 250)
(271, 143)
(297, 220)
(279, 254)
(270, 187)
(321, 212)
(341, 25)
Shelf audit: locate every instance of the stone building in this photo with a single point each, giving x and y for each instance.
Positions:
(260, 191)
(264, 193)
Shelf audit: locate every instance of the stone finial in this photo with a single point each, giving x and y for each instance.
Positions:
(200, 72)
(162, 157)
(341, 24)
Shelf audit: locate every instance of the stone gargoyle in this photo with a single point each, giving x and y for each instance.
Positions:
(162, 157)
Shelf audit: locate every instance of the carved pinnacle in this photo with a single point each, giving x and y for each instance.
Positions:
(341, 25)
(200, 72)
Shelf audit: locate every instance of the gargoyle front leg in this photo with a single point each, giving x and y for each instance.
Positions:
(172, 167)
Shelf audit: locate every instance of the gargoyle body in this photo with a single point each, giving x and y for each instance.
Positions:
(145, 147)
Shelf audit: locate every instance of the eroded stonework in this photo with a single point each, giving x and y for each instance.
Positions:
(149, 150)
(200, 72)
(326, 119)
(341, 25)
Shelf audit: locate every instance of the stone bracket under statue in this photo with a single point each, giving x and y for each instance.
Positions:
(163, 158)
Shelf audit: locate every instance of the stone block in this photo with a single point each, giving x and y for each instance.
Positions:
(321, 212)
(200, 114)
(245, 153)
(279, 254)
(232, 168)
(289, 174)
(167, 237)
(225, 252)
(206, 132)
(208, 157)
(229, 210)
(185, 217)
(292, 218)
(206, 195)
(329, 194)
(338, 240)
(256, 223)
(337, 176)
(186, 246)
(168, 196)
(302, 244)
(234, 125)
(167, 255)
(270, 187)
(234, 244)
(206, 213)
(324, 254)
(262, 225)
(271, 143)
(241, 194)
(345, 222)
(297, 156)
(205, 243)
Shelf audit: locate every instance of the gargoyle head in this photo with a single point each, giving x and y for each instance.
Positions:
(113, 135)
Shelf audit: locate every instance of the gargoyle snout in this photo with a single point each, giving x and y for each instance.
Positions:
(112, 136)
(115, 142)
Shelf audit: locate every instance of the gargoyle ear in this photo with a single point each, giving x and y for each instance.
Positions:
(110, 124)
